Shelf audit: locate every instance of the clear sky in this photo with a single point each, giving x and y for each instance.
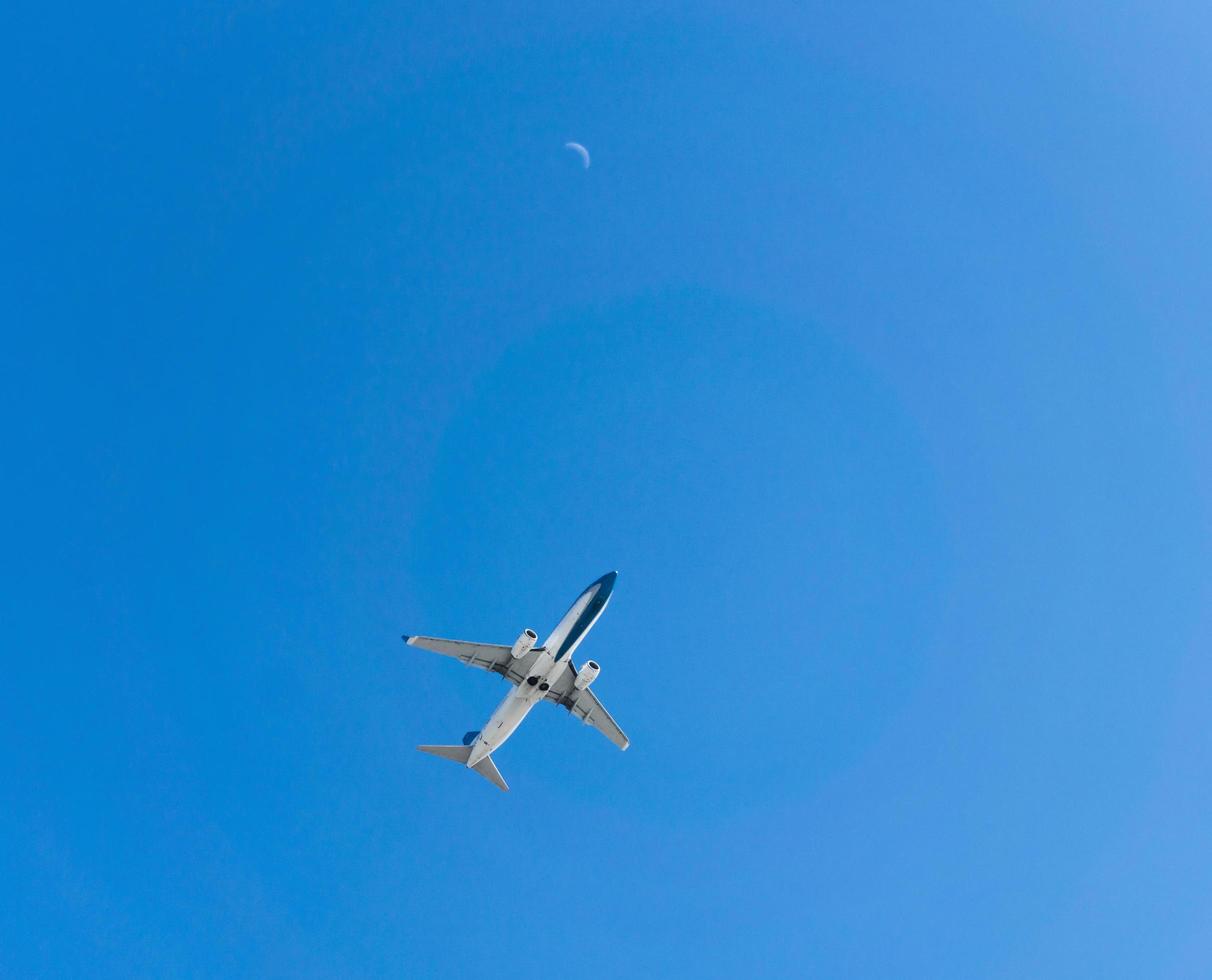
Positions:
(872, 350)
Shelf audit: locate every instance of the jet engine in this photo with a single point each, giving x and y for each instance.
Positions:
(524, 644)
(586, 675)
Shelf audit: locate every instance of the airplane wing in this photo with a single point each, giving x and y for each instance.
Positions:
(586, 706)
(486, 656)
(495, 657)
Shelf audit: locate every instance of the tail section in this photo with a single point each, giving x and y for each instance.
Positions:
(455, 753)
(460, 754)
(488, 769)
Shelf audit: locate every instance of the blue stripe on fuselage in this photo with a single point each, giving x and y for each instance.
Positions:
(604, 585)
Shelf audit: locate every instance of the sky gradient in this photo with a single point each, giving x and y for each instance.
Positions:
(872, 350)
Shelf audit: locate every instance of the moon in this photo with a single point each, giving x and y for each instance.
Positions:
(578, 149)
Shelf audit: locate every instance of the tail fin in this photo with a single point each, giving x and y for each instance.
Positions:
(460, 754)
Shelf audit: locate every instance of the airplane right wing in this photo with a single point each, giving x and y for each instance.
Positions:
(486, 656)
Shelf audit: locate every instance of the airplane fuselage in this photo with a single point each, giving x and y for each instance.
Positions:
(547, 668)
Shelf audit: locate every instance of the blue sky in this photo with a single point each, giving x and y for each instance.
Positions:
(872, 351)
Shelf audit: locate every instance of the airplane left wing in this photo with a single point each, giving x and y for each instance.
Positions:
(586, 706)
(486, 656)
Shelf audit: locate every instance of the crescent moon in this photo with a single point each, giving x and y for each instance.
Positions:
(577, 148)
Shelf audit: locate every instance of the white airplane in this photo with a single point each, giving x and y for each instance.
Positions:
(538, 673)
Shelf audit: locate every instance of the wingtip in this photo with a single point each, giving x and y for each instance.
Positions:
(405, 637)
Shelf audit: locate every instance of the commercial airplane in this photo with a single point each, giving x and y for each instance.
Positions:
(538, 673)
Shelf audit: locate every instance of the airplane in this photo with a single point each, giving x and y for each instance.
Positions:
(538, 673)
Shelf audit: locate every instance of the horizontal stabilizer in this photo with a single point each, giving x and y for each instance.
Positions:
(455, 753)
(460, 754)
(488, 769)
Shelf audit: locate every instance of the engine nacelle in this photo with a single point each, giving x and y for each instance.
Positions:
(586, 675)
(524, 644)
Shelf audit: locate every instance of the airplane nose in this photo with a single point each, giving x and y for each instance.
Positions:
(606, 582)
